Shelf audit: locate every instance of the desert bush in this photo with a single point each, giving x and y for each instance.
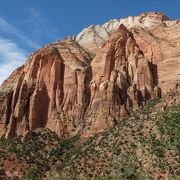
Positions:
(32, 174)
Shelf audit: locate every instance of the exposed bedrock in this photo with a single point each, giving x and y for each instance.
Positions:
(64, 88)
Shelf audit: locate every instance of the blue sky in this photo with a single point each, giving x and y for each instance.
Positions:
(26, 25)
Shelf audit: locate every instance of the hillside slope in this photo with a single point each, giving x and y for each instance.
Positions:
(143, 145)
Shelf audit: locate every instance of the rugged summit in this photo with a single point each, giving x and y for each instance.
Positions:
(94, 36)
(157, 36)
(85, 84)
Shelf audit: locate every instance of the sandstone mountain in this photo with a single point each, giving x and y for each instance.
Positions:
(87, 83)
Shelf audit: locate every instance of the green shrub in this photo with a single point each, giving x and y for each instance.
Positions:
(148, 105)
(32, 174)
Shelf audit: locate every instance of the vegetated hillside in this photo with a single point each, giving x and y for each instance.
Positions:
(143, 145)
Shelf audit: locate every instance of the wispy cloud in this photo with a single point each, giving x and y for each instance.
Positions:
(11, 57)
(35, 16)
(41, 26)
(10, 29)
(37, 31)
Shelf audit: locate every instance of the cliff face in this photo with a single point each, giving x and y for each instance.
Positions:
(121, 79)
(48, 92)
(157, 36)
(73, 89)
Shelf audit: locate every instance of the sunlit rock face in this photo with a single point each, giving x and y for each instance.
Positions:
(85, 84)
(157, 36)
(49, 91)
(93, 37)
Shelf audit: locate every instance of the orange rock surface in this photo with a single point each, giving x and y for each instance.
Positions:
(73, 89)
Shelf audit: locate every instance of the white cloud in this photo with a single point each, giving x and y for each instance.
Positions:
(36, 17)
(11, 57)
(10, 29)
(41, 26)
(11, 40)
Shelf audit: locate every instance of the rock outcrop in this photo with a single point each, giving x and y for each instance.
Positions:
(49, 87)
(94, 36)
(73, 88)
(122, 79)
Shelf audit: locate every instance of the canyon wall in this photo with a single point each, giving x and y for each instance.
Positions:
(73, 87)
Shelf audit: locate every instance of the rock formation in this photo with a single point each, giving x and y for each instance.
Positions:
(85, 84)
(157, 36)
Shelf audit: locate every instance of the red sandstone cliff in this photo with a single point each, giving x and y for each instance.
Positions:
(74, 91)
